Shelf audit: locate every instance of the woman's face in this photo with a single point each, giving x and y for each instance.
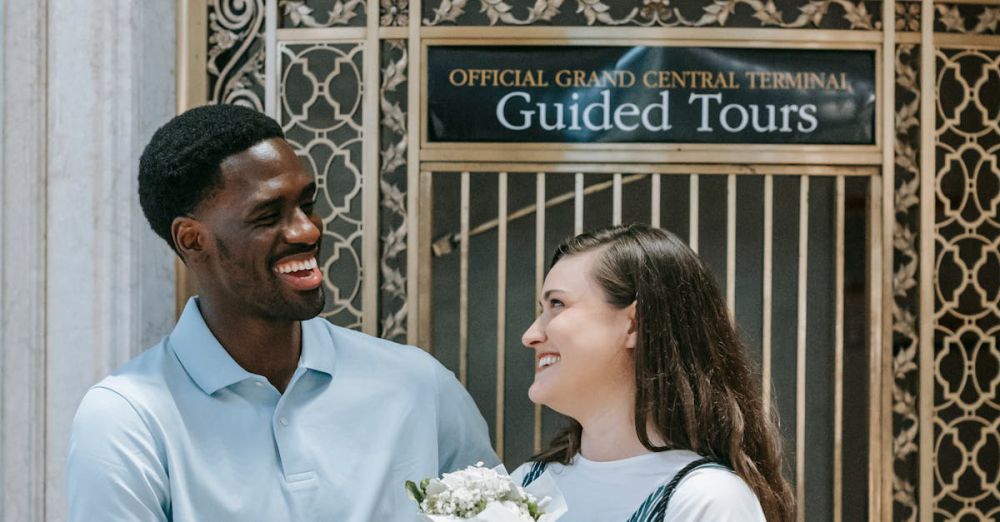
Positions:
(582, 343)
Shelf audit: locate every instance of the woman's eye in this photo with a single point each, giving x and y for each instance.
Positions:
(555, 303)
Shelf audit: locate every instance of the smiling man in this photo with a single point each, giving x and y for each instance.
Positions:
(253, 408)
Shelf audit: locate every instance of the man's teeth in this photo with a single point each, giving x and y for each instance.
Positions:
(296, 266)
(548, 360)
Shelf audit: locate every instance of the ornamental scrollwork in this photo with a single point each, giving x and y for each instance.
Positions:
(235, 58)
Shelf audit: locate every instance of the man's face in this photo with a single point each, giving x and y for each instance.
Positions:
(262, 235)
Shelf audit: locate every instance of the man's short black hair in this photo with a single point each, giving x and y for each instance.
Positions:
(180, 166)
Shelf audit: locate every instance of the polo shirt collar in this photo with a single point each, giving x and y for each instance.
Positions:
(212, 368)
(318, 351)
(206, 361)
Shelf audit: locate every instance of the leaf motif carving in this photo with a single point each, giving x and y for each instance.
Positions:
(500, 11)
(301, 15)
(447, 11)
(597, 11)
(951, 18)
(988, 21)
(858, 15)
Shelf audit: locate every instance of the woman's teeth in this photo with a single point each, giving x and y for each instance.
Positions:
(296, 266)
(548, 360)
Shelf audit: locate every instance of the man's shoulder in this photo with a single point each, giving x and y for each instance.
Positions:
(355, 346)
(144, 375)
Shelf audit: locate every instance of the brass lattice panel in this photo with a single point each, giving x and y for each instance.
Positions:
(967, 285)
(320, 109)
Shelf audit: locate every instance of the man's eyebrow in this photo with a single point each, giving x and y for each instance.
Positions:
(266, 204)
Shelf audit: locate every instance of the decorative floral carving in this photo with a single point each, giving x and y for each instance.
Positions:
(908, 16)
(660, 13)
(300, 13)
(392, 186)
(394, 13)
(954, 18)
(447, 11)
(904, 284)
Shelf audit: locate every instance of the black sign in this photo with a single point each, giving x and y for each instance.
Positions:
(566, 94)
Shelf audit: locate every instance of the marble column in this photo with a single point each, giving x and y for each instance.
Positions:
(85, 283)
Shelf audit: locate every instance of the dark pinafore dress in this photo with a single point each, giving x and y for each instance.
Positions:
(654, 507)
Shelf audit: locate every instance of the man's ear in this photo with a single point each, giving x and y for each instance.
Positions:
(633, 327)
(189, 237)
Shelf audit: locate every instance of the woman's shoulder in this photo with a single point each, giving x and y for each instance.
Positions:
(714, 493)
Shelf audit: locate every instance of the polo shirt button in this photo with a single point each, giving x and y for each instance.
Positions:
(283, 421)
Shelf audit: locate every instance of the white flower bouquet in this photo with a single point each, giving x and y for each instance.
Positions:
(481, 494)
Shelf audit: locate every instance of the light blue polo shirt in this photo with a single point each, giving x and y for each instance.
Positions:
(183, 433)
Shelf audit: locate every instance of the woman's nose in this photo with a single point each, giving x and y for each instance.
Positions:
(534, 334)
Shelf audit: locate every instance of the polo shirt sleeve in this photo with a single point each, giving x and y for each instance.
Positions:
(463, 437)
(114, 470)
(714, 494)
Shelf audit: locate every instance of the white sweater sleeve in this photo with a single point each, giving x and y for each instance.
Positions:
(714, 494)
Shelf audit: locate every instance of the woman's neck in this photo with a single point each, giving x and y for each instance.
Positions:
(609, 430)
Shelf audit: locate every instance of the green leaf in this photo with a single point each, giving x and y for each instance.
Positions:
(417, 493)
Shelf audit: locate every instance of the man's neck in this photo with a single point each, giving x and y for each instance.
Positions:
(262, 346)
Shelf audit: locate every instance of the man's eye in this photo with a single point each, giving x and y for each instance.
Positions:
(309, 206)
(555, 303)
(267, 219)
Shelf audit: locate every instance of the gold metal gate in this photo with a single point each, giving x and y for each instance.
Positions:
(937, 69)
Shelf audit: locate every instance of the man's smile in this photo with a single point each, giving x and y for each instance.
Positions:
(301, 271)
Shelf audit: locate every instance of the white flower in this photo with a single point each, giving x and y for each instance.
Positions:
(474, 490)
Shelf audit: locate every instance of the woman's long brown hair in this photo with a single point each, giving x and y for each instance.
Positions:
(693, 378)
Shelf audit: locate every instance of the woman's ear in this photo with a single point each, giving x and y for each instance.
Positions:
(633, 326)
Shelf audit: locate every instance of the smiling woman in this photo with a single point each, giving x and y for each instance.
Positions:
(636, 346)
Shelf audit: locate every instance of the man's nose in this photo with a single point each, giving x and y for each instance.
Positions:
(303, 229)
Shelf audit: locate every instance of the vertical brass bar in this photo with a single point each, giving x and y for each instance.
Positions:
(654, 218)
(501, 306)
(767, 290)
(192, 91)
(881, 484)
(800, 357)
(539, 279)
(578, 205)
(370, 176)
(693, 219)
(838, 348)
(928, 95)
(426, 188)
(616, 204)
(463, 282)
(413, 319)
(731, 244)
(874, 288)
(271, 59)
